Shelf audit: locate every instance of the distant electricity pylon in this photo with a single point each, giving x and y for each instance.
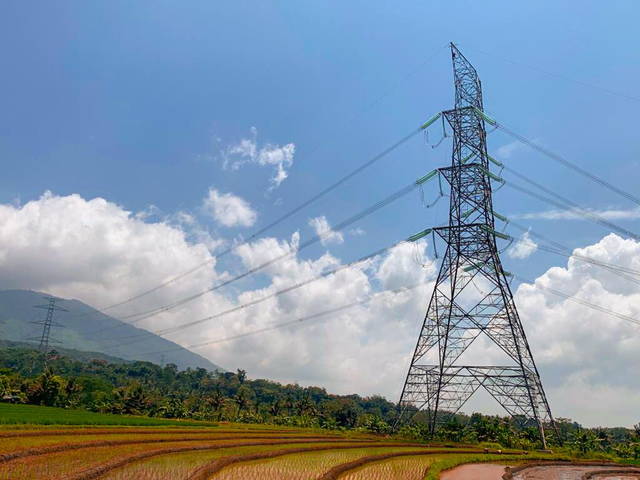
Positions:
(455, 317)
(47, 323)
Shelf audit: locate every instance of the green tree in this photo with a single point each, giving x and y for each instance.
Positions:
(347, 415)
(48, 389)
(243, 399)
(583, 440)
(453, 430)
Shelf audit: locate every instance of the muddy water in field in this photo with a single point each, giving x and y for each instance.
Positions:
(568, 472)
(480, 471)
(475, 471)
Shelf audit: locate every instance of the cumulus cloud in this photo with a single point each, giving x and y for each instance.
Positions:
(321, 226)
(583, 353)
(279, 157)
(98, 252)
(229, 210)
(523, 248)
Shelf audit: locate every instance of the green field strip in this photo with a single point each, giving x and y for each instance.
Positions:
(299, 466)
(399, 468)
(181, 465)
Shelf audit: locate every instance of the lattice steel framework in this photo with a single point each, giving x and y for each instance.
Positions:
(459, 311)
(47, 323)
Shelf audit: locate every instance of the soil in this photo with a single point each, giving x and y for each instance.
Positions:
(568, 472)
(474, 471)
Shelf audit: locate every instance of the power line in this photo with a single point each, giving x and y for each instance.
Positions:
(269, 226)
(618, 270)
(371, 105)
(278, 293)
(373, 208)
(579, 301)
(568, 164)
(297, 321)
(577, 211)
(561, 77)
(267, 297)
(305, 204)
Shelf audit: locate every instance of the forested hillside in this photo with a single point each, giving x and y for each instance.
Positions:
(87, 329)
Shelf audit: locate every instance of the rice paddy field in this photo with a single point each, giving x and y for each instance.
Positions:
(139, 450)
(50, 443)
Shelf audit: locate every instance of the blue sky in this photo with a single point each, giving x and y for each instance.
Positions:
(119, 99)
(137, 103)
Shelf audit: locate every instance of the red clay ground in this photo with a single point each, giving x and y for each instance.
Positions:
(475, 471)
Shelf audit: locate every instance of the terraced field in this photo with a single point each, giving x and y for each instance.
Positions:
(232, 452)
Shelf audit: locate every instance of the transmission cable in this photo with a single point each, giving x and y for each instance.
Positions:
(391, 198)
(579, 301)
(276, 294)
(622, 272)
(568, 164)
(579, 212)
(371, 105)
(561, 77)
(561, 249)
(295, 210)
(297, 321)
(272, 224)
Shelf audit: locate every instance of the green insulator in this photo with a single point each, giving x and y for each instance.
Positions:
(418, 236)
(501, 235)
(491, 175)
(472, 267)
(482, 115)
(494, 161)
(500, 217)
(427, 177)
(433, 120)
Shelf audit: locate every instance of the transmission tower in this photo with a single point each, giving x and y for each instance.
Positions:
(47, 323)
(455, 317)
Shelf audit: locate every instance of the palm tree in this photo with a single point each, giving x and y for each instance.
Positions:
(242, 399)
(217, 401)
(583, 440)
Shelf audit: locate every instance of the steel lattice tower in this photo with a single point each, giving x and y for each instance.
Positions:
(455, 317)
(47, 323)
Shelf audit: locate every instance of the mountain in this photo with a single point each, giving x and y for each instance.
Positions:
(80, 332)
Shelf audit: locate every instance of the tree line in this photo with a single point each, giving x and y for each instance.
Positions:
(144, 388)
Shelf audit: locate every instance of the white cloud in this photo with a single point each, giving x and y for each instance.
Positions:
(583, 353)
(150, 211)
(96, 251)
(321, 226)
(229, 210)
(523, 248)
(608, 214)
(99, 253)
(247, 151)
(506, 151)
(358, 232)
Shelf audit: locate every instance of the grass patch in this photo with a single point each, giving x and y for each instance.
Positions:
(11, 414)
